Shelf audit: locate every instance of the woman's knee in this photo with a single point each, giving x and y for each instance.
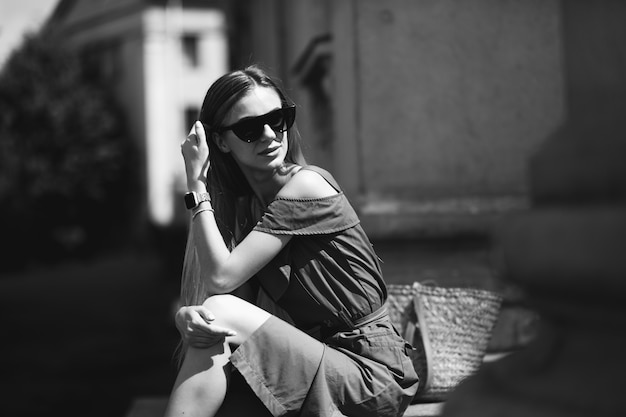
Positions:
(234, 313)
(221, 304)
(224, 307)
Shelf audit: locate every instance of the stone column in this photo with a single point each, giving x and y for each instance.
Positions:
(568, 252)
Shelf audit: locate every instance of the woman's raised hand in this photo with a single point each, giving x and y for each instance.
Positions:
(196, 328)
(195, 150)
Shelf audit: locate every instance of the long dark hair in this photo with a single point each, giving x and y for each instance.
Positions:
(225, 181)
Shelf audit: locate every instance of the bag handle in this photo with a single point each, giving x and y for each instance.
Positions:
(409, 335)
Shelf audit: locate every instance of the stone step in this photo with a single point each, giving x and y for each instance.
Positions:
(155, 407)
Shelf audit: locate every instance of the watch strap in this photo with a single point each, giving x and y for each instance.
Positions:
(193, 199)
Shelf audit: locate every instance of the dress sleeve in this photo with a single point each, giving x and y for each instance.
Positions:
(314, 216)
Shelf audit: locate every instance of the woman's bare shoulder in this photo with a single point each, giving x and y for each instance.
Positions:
(307, 184)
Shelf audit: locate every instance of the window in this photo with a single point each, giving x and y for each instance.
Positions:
(190, 50)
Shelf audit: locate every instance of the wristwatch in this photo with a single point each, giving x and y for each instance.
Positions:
(193, 199)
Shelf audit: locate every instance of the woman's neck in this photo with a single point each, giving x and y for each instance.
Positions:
(267, 184)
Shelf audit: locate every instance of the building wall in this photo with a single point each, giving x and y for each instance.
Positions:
(453, 95)
(441, 103)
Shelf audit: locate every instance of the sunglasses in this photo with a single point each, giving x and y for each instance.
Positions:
(250, 129)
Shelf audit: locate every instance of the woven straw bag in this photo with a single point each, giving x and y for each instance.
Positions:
(450, 329)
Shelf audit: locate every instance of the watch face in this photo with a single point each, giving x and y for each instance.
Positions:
(190, 200)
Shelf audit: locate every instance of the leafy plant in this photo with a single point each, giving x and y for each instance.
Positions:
(65, 157)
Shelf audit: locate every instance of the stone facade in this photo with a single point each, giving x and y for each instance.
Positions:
(567, 252)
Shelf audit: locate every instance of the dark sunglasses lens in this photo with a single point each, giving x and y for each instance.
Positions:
(275, 120)
(289, 114)
(248, 131)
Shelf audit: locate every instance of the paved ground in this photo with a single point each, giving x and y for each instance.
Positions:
(85, 338)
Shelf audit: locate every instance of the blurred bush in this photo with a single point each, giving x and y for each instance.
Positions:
(66, 161)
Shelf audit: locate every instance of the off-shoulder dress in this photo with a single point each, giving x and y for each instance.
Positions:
(335, 352)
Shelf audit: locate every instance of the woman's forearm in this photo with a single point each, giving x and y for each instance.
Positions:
(211, 249)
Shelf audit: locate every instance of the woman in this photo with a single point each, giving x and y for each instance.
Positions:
(281, 235)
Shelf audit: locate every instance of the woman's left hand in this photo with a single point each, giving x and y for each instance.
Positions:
(195, 324)
(195, 150)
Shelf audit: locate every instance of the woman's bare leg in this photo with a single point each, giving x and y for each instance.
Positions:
(200, 386)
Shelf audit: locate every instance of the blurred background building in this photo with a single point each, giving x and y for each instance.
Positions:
(158, 56)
